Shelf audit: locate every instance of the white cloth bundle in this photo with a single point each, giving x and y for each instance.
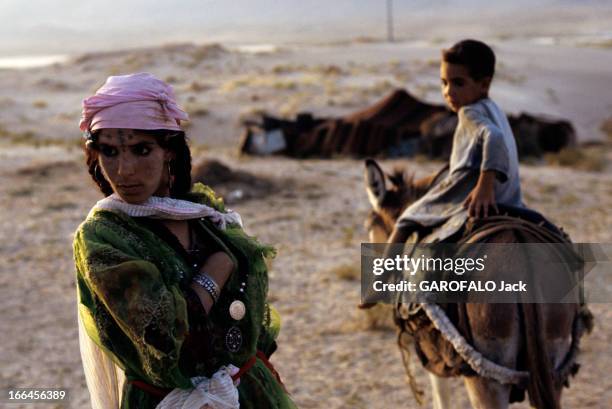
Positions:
(218, 392)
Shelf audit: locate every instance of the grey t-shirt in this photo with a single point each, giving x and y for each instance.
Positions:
(483, 140)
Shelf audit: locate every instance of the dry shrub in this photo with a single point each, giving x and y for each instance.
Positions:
(402, 77)
(569, 199)
(40, 104)
(19, 138)
(46, 169)
(331, 88)
(589, 159)
(366, 40)
(53, 85)
(316, 226)
(171, 79)
(504, 36)
(382, 87)
(250, 113)
(548, 189)
(347, 272)
(233, 84)
(57, 207)
(271, 82)
(432, 63)
(196, 86)
(22, 192)
(287, 68)
(380, 318)
(348, 234)
(606, 128)
(30, 138)
(330, 69)
(607, 43)
(196, 110)
(290, 107)
(136, 62)
(207, 51)
(283, 85)
(114, 70)
(67, 116)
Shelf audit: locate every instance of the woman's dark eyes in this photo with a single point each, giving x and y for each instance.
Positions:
(108, 151)
(141, 150)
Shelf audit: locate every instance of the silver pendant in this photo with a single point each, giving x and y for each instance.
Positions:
(237, 310)
(233, 339)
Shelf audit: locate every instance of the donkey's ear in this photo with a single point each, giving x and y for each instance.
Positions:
(375, 183)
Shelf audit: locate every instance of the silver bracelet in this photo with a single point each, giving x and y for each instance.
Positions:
(209, 285)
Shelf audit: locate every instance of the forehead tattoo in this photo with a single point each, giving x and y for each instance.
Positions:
(124, 136)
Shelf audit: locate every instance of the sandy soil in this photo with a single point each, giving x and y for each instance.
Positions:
(331, 355)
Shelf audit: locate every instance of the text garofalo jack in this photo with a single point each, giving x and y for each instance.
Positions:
(430, 272)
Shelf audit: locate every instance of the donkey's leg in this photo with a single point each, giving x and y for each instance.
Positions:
(496, 334)
(558, 349)
(558, 320)
(440, 391)
(487, 393)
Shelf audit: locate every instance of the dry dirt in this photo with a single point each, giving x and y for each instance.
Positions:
(330, 355)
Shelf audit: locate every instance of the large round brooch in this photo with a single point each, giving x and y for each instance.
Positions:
(237, 310)
(233, 339)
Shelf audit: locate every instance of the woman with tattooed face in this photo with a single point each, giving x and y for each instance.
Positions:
(171, 290)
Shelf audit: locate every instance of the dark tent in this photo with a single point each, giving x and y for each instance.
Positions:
(398, 125)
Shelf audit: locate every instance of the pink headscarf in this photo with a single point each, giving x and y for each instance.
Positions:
(134, 101)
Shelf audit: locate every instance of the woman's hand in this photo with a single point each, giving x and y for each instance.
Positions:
(482, 196)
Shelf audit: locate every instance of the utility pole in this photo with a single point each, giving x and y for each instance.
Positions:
(390, 21)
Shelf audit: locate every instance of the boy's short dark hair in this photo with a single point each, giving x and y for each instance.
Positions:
(478, 57)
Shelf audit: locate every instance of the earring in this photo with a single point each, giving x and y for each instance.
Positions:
(99, 177)
(170, 177)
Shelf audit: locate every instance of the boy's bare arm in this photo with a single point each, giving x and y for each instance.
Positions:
(482, 196)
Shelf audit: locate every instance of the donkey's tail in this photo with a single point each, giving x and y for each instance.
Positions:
(541, 386)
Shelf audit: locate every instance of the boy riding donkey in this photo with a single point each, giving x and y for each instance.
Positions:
(499, 347)
(483, 168)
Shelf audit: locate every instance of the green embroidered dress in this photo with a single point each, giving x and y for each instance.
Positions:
(136, 304)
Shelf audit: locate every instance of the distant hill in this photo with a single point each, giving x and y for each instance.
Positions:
(39, 26)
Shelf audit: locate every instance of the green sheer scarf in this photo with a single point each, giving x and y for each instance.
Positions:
(132, 306)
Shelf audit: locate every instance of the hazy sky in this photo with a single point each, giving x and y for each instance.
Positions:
(43, 26)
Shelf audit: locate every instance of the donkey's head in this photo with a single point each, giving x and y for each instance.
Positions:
(388, 201)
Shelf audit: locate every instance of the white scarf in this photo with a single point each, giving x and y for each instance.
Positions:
(169, 208)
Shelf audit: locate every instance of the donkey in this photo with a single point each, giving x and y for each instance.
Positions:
(543, 338)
